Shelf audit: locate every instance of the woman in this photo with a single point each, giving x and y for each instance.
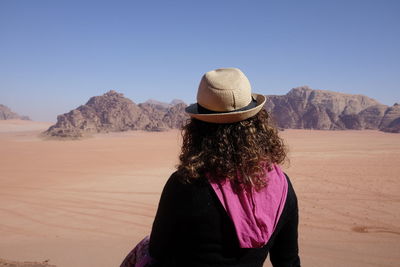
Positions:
(228, 203)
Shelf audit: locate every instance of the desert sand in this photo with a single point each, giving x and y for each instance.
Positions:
(87, 202)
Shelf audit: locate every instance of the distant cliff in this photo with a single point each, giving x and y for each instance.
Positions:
(305, 108)
(300, 108)
(7, 114)
(112, 112)
(391, 120)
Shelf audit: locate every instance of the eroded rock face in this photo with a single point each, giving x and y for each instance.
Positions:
(371, 117)
(175, 116)
(300, 108)
(112, 112)
(305, 108)
(7, 114)
(391, 119)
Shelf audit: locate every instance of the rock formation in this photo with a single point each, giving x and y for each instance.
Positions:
(175, 115)
(305, 108)
(300, 108)
(112, 112)
(7, 114)
(391, 119)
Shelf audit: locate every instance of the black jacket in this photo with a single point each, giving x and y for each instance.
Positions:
(191, 228)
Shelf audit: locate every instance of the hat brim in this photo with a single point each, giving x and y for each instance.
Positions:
(228, 117)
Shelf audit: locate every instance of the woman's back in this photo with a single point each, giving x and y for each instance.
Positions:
(192, 228)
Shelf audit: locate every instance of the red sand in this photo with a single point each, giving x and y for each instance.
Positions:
(86, 203)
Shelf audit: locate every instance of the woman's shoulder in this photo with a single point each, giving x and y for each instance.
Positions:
(179, 184)
(176, 180)
(291, 194)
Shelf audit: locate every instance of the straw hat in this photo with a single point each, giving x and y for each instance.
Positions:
(224, 96)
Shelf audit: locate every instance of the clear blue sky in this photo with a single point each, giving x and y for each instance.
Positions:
(55, 55)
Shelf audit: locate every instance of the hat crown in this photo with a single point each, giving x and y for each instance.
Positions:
(224, 89)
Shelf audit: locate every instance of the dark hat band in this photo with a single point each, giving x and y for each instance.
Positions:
(203, 110)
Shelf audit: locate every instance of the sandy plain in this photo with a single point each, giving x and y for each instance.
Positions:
(88, 202)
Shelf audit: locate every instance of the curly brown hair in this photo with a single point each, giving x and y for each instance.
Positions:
(242, 151)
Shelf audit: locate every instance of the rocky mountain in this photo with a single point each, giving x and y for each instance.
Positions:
(7, 114)
(300, 108)
(161, 105)
(391, 120)
(112, 112)
(305, 108)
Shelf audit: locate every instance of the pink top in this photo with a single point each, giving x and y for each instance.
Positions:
(255, 214)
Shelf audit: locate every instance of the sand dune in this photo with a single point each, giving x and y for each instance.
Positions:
(87, 202)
